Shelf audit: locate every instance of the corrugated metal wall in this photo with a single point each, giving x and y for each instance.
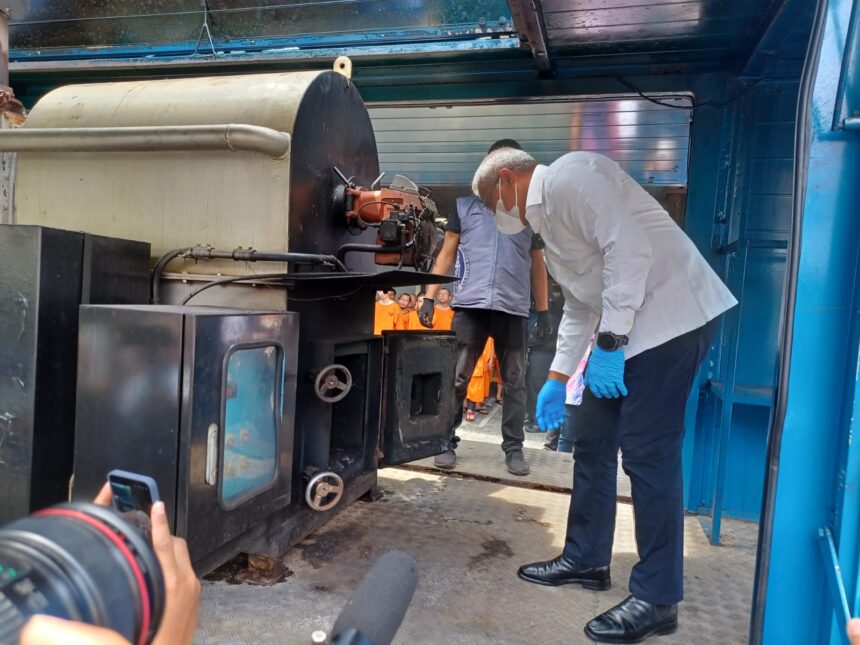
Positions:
(443, 145)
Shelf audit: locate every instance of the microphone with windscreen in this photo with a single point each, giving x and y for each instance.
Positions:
(373, 613)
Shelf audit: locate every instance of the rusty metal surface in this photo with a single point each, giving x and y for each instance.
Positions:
(468, 538)
(253, 23)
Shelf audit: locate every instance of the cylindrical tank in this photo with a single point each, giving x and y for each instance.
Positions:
(224, 198)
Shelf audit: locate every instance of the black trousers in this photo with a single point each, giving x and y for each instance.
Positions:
(648, 426)
(473, 327)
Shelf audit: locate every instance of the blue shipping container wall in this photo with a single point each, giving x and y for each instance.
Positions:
(749, 243)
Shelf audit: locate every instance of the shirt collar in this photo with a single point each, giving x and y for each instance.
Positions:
(535, 195)
(534, 198)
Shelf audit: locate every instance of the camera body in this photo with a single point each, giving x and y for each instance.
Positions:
(80, 562)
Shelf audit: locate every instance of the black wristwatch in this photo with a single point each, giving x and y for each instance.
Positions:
(610, 342)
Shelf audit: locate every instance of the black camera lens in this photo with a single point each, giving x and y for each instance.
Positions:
(80, 562)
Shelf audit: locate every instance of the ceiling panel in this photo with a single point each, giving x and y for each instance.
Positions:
(443, 145)
(727, 28)
(123, 26)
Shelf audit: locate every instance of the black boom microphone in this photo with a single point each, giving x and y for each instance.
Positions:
(373, 613)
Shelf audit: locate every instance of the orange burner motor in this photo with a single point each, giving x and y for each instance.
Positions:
(407, 234)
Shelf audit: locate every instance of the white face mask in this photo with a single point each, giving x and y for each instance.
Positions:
(508, 221)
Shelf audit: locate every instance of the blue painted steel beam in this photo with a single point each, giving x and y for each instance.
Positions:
(833, 573)
(797, 608)
(732, 325)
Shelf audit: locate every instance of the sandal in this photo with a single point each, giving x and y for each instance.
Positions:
(482, 410)
(470, 415)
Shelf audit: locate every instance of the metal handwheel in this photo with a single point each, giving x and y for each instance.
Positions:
(333, 383)
(324, 491)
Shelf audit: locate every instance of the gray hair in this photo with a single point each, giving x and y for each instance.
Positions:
(487, 174)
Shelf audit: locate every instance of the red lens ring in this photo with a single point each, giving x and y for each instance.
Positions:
(126, 552)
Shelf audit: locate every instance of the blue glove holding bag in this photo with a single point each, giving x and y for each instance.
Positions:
(550, 405)
(604, 375)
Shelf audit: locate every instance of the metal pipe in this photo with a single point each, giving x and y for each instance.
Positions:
(163, 261)
(233, 279)
(229, 136)
(366, 248)
(252, 255)
(238, 255)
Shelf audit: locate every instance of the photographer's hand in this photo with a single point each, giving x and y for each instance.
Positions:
(182, 585)
(853, 628)
(48, 630)
(104, 497)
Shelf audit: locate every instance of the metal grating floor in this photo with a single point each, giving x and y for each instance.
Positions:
(468, 537)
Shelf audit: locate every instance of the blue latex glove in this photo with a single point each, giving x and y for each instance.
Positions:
(550, 405)
(605, 374)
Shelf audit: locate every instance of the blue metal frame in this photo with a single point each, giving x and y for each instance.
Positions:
(817, 458)
(835, 583)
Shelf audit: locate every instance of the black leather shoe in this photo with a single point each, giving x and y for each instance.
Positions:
(561, 571)
(632, 621)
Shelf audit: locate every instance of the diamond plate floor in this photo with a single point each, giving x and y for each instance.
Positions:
(553, 470)
(468, 537)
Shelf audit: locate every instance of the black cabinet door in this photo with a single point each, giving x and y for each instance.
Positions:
(239, 383)
(418, 406)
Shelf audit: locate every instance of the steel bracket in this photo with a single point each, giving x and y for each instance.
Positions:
(528, 20)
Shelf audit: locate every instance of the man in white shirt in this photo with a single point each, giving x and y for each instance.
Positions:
(631, 274)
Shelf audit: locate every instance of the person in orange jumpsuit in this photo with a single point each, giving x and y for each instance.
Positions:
(479, 385)
(387, 312)
(412, 322)
(443, 318)
(405, 301)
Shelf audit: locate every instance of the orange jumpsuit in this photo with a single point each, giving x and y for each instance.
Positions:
(385, 317)
(403, 320)
(443, 319)
(479, 385)
(413, 324)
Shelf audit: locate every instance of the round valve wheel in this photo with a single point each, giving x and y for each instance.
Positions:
(324, 491)
(333, 383)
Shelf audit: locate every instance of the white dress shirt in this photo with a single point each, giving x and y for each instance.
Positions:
(619, 258)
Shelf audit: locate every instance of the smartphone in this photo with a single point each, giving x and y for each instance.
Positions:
(132, 492)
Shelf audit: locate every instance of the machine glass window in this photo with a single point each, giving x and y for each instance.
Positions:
(250, 422)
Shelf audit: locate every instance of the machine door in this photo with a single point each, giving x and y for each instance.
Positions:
(418, 407)
(239, 386)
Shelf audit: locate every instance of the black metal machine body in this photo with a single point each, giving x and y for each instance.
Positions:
(155, 384)
(201, 399)
(45, 274)
(254, 436)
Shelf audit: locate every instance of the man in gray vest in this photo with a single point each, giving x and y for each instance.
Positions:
(491, 299)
